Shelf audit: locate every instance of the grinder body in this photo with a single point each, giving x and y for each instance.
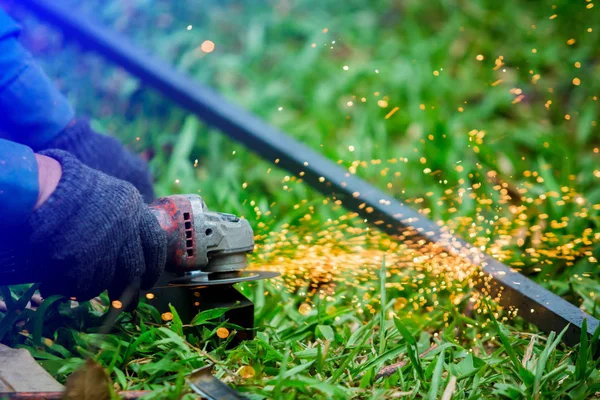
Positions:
(202, 240)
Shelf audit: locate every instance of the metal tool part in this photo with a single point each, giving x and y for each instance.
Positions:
(551, 313)
(190, 298)
(221, 278)
(206, 385)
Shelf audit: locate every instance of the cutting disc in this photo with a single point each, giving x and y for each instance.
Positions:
(221, 278)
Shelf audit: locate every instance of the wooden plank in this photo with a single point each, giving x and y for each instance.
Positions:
(19, 372)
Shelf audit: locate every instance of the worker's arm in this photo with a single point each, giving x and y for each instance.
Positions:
(19, 187)
(73, 228)
(34, 113)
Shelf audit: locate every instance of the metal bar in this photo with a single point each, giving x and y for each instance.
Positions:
(534, 303)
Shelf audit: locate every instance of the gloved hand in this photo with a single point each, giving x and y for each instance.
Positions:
(93, 233)
(105, 154)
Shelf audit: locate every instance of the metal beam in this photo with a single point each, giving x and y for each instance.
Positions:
(534, 303)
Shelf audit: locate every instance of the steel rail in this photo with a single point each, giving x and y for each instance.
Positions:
(533, 302)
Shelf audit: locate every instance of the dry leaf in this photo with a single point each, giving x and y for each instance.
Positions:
(90, 382)
(528, 352)
(450, 388)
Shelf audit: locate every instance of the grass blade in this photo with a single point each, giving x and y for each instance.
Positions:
(38, 320)
(7, 323)
(340, 370)
(7, 296)
(541, 364)
(583, 353)
(411, 348)
(504, 340)
(436, 379)
(594, 341)
(279, 385)
(383, 300)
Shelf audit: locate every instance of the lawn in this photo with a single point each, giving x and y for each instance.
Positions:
(481, 114)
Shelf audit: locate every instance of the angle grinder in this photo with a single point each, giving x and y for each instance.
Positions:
(207, 252)
(204, 247)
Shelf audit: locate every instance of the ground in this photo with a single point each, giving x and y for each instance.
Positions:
(481, 114)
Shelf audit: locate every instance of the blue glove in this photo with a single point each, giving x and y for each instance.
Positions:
(105, 154)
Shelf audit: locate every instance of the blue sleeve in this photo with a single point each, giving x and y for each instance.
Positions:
(8, 27)
(32, 111)
(19, 185)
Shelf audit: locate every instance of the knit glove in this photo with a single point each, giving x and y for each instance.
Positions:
(105, 154)
(94, 233)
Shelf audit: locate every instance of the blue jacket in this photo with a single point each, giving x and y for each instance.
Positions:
(32, 114)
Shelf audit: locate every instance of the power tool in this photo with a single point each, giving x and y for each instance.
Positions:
(207, 253)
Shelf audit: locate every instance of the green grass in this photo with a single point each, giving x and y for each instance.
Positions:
(263, 60)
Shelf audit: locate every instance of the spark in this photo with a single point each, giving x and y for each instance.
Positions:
(318, 258)
(388, 115)
(223, 333)
(304, 309)
(207, 46)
